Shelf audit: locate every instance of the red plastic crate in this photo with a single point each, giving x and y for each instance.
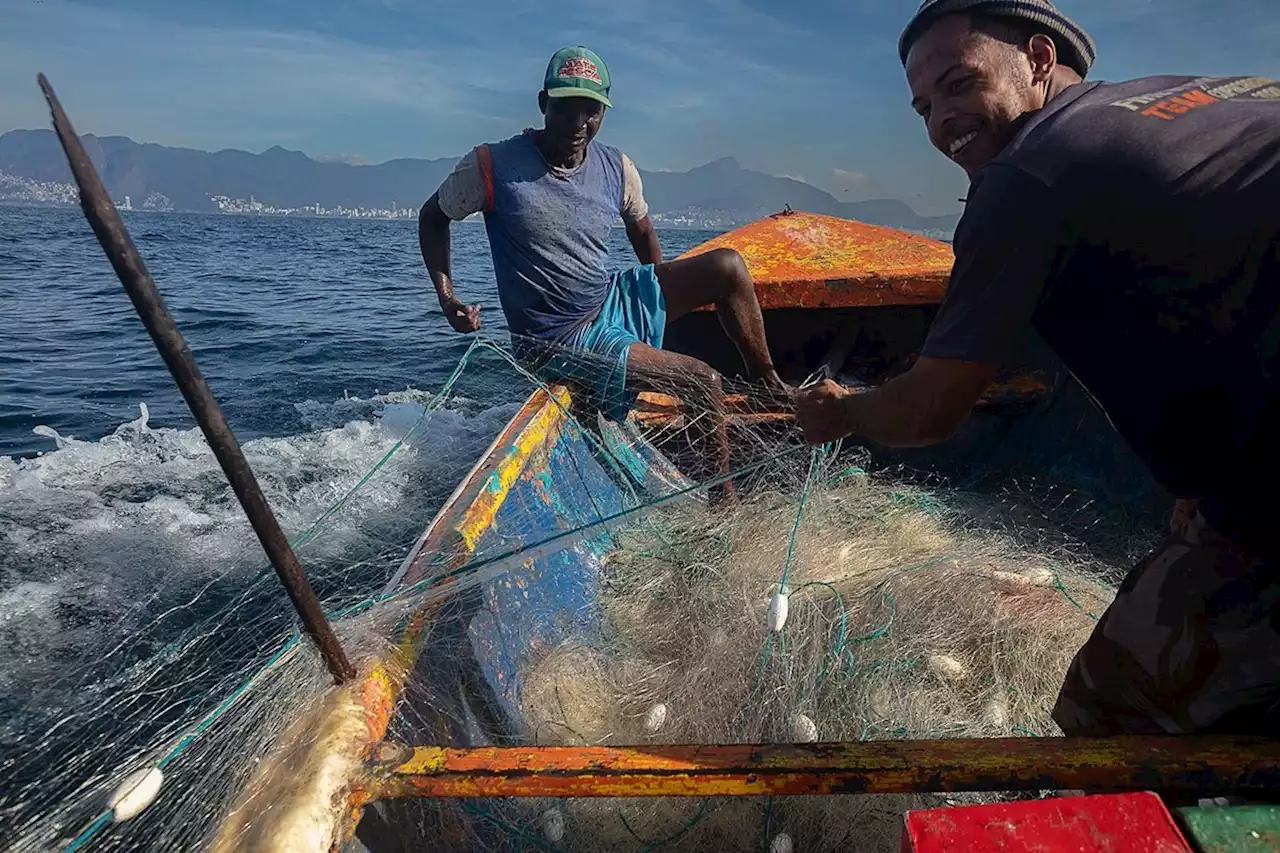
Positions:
(1104, 823)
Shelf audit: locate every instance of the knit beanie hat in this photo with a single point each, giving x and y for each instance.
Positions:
(1075, 47)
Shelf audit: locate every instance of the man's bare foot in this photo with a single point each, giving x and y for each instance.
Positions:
(775, 384)
(771, 391)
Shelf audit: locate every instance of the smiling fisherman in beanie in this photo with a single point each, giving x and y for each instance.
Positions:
(1075, 48)
(1135, 227)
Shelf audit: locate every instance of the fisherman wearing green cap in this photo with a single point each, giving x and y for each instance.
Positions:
(1135, 226)
(550, 198)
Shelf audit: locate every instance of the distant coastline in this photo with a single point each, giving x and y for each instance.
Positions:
(717, 196)
(469, 221)
(658, 220)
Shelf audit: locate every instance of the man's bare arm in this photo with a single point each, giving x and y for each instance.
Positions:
(644, 239)
(433, 240)
(923, 406)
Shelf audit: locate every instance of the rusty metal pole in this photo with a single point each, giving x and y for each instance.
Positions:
(137, 281)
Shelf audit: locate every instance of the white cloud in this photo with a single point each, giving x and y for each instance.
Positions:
(215, 87)
(857, 185)
(715, 59)
(846, 179)
(349, 159)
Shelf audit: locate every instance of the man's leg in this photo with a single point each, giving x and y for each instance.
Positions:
(720, 278)
(1191, 644)
(700, 390)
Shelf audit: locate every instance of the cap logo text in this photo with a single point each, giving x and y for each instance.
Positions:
(579, 66)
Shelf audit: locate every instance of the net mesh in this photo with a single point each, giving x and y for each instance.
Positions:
(593, 581)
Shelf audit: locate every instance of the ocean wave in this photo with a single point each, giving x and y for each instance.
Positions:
(100, 539)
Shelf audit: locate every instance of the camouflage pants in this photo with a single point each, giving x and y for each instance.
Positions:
(1190, 644)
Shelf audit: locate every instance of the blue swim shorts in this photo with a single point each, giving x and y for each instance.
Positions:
(634, 311)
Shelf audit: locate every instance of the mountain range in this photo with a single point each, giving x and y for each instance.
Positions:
(188, 178)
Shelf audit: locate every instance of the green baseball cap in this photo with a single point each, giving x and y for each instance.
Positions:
(577, 72)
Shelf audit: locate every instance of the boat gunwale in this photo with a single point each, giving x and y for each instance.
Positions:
(480, 471)
(355, 716)
(445, 525)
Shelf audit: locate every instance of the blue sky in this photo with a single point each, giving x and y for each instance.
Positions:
(807, 88)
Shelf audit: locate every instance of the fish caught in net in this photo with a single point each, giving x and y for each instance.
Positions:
(660, 562)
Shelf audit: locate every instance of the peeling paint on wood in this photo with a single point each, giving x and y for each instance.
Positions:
(805, 260)
(1005, 764)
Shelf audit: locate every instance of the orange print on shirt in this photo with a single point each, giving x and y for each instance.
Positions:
(1171, 108)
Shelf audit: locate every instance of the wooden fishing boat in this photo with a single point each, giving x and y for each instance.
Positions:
(542, 501)
(530, 524)
(349, 770)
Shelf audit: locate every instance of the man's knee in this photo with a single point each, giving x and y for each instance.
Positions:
(705, 375)
(1164, 660)
(704, 378)
(729, 267)
(1077, 710)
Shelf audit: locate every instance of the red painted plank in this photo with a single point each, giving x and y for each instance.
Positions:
(1105, 823)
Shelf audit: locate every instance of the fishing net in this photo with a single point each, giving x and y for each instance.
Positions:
(593, 581)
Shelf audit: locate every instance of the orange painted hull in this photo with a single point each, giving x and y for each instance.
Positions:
(806, 260)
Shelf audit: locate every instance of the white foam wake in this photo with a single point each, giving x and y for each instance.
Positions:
(93, 533)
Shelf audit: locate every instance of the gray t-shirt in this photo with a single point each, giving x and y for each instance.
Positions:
(1136, 227)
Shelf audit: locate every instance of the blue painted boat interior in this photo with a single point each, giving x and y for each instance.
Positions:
(574, 475)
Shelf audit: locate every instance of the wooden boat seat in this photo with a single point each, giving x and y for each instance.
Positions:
(658, 410)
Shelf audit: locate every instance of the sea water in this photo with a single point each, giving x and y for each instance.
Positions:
(324, 343)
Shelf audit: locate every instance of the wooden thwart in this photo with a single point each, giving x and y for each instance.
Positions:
(1193, 763)
(654, 409)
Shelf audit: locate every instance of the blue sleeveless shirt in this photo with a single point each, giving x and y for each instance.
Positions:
(549, 234)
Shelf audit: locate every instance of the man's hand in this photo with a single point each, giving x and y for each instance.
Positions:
(821, 412)
(463, 317)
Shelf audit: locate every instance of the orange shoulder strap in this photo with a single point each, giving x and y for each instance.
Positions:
(485, 161)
